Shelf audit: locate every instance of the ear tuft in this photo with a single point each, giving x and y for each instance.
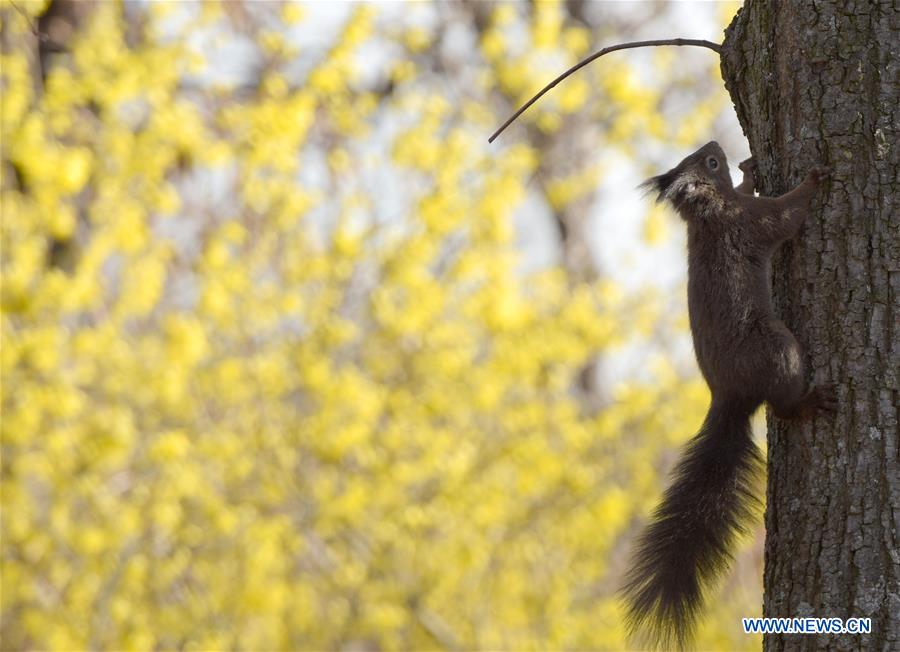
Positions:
(659, 184)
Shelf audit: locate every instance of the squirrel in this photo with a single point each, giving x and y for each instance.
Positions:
(747, 356)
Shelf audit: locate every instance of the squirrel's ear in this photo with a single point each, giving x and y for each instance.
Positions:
(660, 184)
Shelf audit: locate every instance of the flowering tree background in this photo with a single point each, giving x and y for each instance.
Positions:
(277, 370)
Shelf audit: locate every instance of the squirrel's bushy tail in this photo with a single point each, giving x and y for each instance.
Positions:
(689, 540)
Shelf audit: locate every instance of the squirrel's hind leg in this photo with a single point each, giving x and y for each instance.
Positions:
(820, 398)
(787, 392)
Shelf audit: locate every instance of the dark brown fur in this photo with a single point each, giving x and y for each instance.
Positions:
(747, 356)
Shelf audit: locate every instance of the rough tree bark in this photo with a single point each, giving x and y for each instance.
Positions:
(816, 82)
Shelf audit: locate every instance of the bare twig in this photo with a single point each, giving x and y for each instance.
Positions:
(715, 47)
(31, 25)
(437, 627)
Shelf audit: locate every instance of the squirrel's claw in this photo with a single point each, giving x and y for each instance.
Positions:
(824, 398)
(748, 165)
(818, 173)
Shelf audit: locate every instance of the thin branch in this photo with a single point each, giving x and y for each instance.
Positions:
(437, 627)
(31, 25)
(715, 47)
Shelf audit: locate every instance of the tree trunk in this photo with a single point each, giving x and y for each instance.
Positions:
(817, 83)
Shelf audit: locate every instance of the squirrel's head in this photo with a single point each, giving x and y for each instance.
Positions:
(699, 183)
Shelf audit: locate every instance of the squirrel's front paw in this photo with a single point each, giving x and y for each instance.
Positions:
(748, 165)
(818, 174)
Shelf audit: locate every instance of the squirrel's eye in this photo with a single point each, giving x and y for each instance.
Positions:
(712, 163)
